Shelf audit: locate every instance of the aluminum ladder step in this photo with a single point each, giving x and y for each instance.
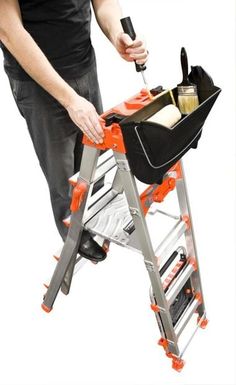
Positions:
(106, 162)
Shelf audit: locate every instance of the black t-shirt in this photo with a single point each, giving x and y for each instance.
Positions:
(61, 28)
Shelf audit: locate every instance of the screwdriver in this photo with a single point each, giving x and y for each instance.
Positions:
(129, 29)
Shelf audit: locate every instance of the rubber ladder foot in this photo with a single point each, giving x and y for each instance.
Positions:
(203, 324)
(178, 364)
(46, 308)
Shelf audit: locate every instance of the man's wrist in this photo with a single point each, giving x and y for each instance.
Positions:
(67, 97)
(114, 37)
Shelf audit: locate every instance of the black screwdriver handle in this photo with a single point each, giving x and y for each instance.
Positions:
(129, 29)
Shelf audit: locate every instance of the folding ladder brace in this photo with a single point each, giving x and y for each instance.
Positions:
(130, 229)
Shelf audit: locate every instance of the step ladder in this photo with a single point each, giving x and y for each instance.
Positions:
(118, 213)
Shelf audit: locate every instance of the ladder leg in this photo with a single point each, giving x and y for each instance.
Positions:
(132, 195)
(65, 266)
(189, 236)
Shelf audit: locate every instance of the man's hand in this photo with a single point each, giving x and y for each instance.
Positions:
(86, 118)
(19, 42)
(108, 14)
(131, 50)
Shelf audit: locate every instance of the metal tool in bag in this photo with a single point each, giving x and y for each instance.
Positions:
(118, 213)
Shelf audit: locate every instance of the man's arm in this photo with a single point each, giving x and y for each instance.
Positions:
(108, 14)
(22, 46)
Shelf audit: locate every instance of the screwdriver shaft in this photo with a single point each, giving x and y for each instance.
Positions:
(144, 79)
(146, 84)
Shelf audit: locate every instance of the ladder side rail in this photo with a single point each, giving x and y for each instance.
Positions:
(117, 184)
(150, 260)
(89, 161)
(68, 256)
(185, 210)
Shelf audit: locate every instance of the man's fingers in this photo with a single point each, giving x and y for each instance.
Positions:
(137, 51)
(136, 43)
(98, 137)
(126, 39)
(97, 125)
(93, 130)
(89, 134)
(85, 116)
(134, 51)
(139, 56)
(96, 128)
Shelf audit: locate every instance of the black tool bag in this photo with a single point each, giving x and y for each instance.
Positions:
(153, 149)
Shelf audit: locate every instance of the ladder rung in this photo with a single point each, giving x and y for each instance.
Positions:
(111, 221)
(106, 162)
(100, 203)
(179, 327)
(166, 246)
(179, 283)
(104, 169)
(98, 195)
(154, 210)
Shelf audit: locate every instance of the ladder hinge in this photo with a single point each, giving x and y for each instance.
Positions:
(123, 165)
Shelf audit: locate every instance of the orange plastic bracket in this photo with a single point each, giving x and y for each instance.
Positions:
(177, 362)
(163, 342)
(155, 308)
(138, 101)
(77, 196)
(198, 297)
(162, 190)
(203, 324)
(157, 194)
(113, 138)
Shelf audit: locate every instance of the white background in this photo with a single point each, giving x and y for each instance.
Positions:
(104, 333)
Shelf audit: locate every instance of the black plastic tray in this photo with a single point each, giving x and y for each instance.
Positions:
(153, 149)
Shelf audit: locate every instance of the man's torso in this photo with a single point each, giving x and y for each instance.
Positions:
(61, 28)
